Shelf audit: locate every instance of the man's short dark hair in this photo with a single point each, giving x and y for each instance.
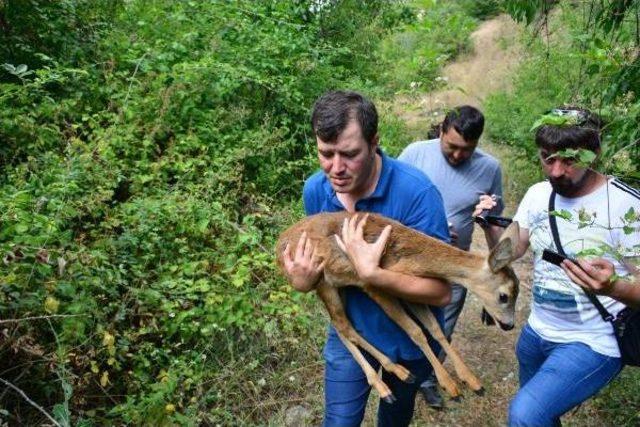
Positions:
(334, 110)
(584, 134)
(468, 121)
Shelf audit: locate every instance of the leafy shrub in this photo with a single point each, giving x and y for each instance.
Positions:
(415, 53)
(590, 58)
(151, 152)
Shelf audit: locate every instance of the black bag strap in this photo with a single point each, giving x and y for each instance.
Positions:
(606, 316)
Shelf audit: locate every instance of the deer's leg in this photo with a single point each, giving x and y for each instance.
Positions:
(430, 322)
(336, 311)
(372, 376)
(351, 339)
(395, 311)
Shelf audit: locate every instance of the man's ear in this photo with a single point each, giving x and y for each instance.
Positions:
(375, 142)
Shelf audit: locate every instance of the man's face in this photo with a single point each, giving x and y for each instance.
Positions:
(454, 148)
(565, 175)
(348, 162)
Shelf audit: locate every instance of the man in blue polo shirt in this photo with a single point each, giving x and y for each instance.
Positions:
(357, 176)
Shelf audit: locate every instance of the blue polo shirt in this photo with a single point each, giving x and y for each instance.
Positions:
(405, 194)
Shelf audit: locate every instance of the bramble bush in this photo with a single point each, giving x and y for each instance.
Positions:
(151, 152)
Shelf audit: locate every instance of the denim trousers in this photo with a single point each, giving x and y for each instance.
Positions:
(347, 390)
(555, 377)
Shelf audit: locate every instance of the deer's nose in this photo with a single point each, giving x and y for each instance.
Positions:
(506, 326)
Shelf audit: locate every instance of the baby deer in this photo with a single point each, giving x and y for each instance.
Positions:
(414, 253)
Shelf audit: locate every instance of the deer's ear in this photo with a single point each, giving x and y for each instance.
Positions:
(512, 232)
(504, 252)
(500, 255)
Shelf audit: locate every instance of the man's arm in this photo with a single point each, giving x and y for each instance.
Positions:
(596, 276)
(365, 258)
(422, 290)
(493, 233)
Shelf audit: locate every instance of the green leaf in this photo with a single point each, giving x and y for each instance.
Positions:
(591, 252)
(21, 228)
(630, 215)
(584, 216)
(564, 214)
(586, 157)
(202, 225)
(553, 120)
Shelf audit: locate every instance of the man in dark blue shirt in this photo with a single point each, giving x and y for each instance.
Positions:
(357, 176)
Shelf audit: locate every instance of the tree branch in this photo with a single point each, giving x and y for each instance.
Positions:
(31, 402)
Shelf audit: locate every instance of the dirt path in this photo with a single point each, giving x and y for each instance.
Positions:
(486, 69)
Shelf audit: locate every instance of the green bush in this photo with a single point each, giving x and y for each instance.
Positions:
(414, 54)
(151, 152)
(589, 59)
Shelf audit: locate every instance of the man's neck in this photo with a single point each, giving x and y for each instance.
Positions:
(349, 200)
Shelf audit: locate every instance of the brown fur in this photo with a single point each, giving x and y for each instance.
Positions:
(410, 252)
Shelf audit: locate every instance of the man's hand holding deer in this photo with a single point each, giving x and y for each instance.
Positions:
(365, 258)
(303, 267)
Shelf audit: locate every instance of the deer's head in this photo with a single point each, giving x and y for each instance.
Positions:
(498, 288)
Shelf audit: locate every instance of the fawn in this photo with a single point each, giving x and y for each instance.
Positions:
(414, 253)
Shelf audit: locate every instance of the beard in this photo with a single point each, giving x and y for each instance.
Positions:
(567, 188)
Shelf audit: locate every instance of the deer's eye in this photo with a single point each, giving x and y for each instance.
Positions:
(504, 298)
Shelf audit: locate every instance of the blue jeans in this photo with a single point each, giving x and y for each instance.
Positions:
(346, 389)
(555, 377)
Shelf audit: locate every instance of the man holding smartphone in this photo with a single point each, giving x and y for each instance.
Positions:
(566, 351)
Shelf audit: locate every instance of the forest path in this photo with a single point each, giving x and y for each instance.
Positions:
(488, 351)
(485, 70)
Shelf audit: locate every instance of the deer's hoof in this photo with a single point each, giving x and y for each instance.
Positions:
(480, 391)
(390, 399)
(410, 379)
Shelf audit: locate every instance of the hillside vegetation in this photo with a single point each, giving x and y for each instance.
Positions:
(150, 153)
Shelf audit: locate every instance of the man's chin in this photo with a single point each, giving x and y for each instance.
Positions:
(565, 190)
(341, 188)
(455, 163)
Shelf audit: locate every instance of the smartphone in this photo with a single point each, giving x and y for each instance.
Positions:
(554, 257)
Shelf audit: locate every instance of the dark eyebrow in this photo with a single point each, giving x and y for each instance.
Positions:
(350, 152)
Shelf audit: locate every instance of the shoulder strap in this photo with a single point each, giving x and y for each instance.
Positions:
(606, 316)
